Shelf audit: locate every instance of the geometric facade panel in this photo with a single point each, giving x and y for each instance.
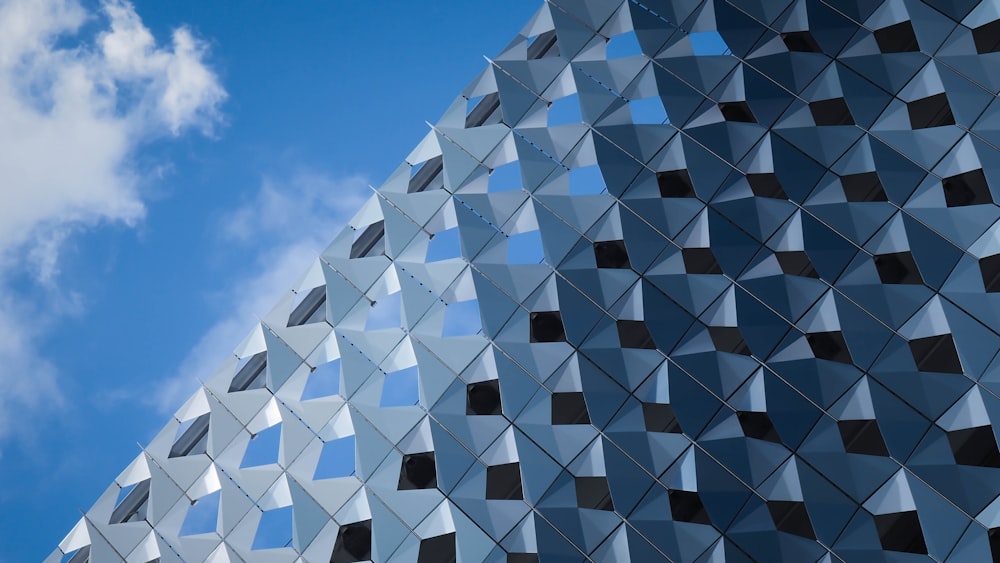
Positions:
(671, 280)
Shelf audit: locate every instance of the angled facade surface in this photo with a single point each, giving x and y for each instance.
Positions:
(670, 281)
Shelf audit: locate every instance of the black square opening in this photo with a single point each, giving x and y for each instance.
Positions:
(831, 112)
(700, 261)
(791, 517)
(967, 188)
(569, 408)
(829, 346)
(932, 111)
(547, 326)
(796, 263)
(660, 417)
(611, 254)
(898, 268)
(994, 536)
(354, 543)
(989, 267)
(686, 506)
(862, 187)
(503, 482)
(635, 334)
(483, 398)
(766, 185)
(728, 339)
(900, 531)
(675, 183)
(522, 558)
(758, 425)
(737, 111)
(801, 41)
(417, 471)
(862, 437)
(987, 37)
(438, 549)
(897, 38)
(975, 446)
(936, 353)
(593, 492)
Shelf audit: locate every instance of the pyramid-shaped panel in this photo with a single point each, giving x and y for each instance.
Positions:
(671, 280)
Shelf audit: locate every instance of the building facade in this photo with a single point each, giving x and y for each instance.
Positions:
(671, 280)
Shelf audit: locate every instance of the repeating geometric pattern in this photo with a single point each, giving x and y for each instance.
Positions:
(672, 280)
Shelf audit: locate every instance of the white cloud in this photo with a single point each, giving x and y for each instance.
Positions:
(283, 228)
(73, 111)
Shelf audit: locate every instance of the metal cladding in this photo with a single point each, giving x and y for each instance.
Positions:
(671, 280)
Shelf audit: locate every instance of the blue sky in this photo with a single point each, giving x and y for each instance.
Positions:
(169, 168)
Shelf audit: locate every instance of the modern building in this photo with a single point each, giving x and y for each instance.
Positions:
(671, 280)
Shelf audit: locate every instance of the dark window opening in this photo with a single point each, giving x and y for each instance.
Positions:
(428, 171)
(994, 536)
(900, 531)
(728, 339)
(569, 408)
(542, 45)
(483, 398)
(968, 188)
(132, 508)
(737, 112)
(975, 446)
(686, 506)
(82, 555)
(801, 41)
(312, 308)
(417, 471)
(483, 110)
(635, 334)
(700, 261)
(791, 517)
(611, 254)
(989, 267)
(758, 425)
(547, 326)
(936, 353)
(831, 112)
(897, 38)
(862, 437)
(796, 263)
(987, 38)
(675, 183)
(194, 440)
(522, 558)
(503, 482)
(863, 187)
(932, 111)
(593, 492)
(829, 346)
(898, 268)
(660, 417)
(354, 543)
(371, 242)
(766, 185)
(438, 549)
(251, 375)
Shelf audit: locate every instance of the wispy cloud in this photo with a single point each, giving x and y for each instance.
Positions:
(73, 111)
(282, 229)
